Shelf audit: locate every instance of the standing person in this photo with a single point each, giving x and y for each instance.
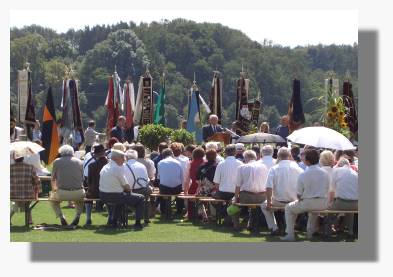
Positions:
(170, 176)
(312, 190)
(264, 128)
(267, 156)
(119, 130)
(197, 160)
(136, 175)
(67, 183)
(77, 138)
(250, 184)
(90, 136)
(280, 187)
(114, 187)
(212, 128)
(93, 179)
(283, 130)
(344, 191)
(24, 183)
(37, 135)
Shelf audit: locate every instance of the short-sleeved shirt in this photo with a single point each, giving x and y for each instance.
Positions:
(139, 171)
(268, 161)
(252, 177)
(313, 183)
(170, 172)
(345, 183)
(112, 178)
(68, 172)
(226, 174)
(282, 179)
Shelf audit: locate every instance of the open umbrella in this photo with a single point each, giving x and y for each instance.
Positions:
(25, 148)
(261, 138)
(321, 137)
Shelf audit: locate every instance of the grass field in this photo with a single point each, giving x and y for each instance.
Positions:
(176, 230)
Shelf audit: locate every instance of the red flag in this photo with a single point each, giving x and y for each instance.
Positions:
(112, 107)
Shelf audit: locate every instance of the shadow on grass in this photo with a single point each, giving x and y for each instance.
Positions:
(19, 229)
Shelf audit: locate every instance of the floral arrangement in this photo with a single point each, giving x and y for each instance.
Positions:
(335, 117)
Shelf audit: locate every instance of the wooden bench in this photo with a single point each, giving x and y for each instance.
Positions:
(211, 200)
(168, 202)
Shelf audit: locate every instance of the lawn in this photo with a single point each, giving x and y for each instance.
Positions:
(176, 230)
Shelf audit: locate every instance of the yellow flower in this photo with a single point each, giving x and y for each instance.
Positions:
(334, 109)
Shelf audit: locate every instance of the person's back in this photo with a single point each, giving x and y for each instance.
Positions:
(23, 178)
(112, 178)
(170, 172)
(345, 183)
(283, 180)
(68, 172)
(138, 171)
(226, 174)
(313, 183)
(252, 177)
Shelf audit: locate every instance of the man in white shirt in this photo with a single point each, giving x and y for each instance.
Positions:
(114, 187)
(344, 192)
(250, 184)
(267, 156)
(225, 176)
(312, 190)
(280, 187)
(137, 177)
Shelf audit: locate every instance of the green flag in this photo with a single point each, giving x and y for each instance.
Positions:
(159, 113)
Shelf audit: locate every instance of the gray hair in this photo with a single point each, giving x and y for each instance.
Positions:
(267, 150)
(230, 150)
(342, 162)
(249, 155)
(131, 154)
(211, 145)
(213, 116)
(66, 150)
(283, 153)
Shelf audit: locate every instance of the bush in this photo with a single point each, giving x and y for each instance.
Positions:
(183, 136)
(152, 135)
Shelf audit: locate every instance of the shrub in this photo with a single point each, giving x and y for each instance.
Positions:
(183, 136)
(152, 135)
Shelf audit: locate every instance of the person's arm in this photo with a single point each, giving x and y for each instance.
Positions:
(300, 188)
(54, 177)
(217, 177)
(237, 191)
(269, 193)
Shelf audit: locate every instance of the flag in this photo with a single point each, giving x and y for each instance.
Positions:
(295, 108)
(144, 101)
(50, 137)
(243, 113)
(159, 112)
(77, 121)
(138, 103)
(216, 96)
(194, 118)
(129, 109)
(113, 103)
(351, 114)
(30, 110)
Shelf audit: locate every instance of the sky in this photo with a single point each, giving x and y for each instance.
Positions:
(284, 27)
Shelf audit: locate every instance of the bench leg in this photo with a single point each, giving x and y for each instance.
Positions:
(194, 212)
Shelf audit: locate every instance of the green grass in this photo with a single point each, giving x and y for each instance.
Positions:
(159, 230)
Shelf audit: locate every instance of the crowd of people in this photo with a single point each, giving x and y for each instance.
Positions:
(299, 180)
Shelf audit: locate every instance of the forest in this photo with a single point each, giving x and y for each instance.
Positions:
(179, 48)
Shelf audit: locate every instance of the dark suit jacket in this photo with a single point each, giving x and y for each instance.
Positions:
(207, 131)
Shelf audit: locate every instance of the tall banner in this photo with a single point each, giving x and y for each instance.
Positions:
(71, 116)
(29, 119)
(159, 113)
(50, 137)
(243, 113)
(216, 96)
(194, 124)
(295, 108)
(114, 101)
(23, 91)
(350, 107)
(255, 108)
(129, 103)
(144, 101)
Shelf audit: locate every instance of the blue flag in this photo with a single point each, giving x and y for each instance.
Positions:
(194, 118)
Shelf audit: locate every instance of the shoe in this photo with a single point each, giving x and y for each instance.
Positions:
(88, 223)
(288, 238)
(146, 222)
(137, 227)
(63, 221)
(276, 232)
(75, 221)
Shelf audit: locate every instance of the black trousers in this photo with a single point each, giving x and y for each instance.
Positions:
(87, 148)
(172, 191)
(134, 200)
(225, 196)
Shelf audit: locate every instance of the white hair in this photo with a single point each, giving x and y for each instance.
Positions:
(213, 116)
(267, 150)
(131, 154)
(283, 153)
(211, 145)
(342, 162)
(249, 155)
(66, 150)
(326, 158)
